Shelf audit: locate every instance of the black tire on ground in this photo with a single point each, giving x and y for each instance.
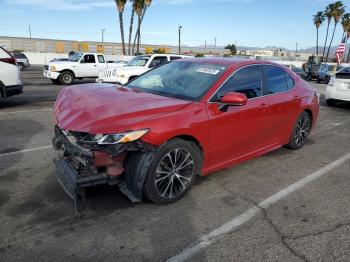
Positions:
(331, 102)
(172, 172)
(327, 80)
(20, 66)
(55, 81)
(300, 132)
(66, 78)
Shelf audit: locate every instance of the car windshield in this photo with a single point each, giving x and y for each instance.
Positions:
(138, 61)
(76, 57)
(184, 80)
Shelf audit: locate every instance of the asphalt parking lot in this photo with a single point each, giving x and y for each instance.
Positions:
(309, 222)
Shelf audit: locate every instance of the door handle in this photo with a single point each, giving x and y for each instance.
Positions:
(95, 65)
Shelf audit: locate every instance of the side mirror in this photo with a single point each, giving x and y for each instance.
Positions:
(232, 99)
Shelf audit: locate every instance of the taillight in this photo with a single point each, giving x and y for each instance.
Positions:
(10, 60)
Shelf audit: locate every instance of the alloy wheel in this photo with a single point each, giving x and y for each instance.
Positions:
(67, 79)
(174, 173)
(302, 130)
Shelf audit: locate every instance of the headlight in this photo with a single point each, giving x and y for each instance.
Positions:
(52, 68)
(121, 138)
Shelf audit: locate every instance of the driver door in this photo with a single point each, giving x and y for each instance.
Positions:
(240, 130)
(87, 67)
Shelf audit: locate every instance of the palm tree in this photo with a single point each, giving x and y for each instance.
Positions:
(318, 20)
(348, 58)
(337, 11)
(131, 25)
(121, 6)
(328, 15)
(345, 22)
(140, 9)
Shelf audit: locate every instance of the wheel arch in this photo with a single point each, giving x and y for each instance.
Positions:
(68, 70)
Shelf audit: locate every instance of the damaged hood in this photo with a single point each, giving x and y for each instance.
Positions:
(108, 109)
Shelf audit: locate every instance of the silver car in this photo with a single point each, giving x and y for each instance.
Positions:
(22, 60)
(326, 72)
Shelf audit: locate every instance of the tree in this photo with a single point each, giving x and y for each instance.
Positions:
(328, 14)
(140, 9)
(232, 49)
(346, 27)
(338, 10)
(121, 6)
(131, 25)
(318, 20)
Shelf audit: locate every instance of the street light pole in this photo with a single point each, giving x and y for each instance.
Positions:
(180, 27)
(103, 34)
(296, 48)
(30, 32)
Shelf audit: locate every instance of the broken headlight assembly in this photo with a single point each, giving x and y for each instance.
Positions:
(121, 138)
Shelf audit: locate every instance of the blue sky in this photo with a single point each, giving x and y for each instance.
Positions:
(248, 22)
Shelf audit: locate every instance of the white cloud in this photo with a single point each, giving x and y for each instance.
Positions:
(62, 4)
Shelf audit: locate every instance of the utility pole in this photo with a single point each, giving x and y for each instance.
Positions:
(296, 48)
(30, 32)
(215, 38)
(205, 44)
(180, 27)
(103, 34)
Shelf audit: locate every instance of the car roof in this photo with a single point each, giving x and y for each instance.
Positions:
(230, 61)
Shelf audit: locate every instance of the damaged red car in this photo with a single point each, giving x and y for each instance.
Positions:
(190, 117)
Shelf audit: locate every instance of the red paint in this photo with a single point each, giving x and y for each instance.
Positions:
(243, 132)
(233, 98)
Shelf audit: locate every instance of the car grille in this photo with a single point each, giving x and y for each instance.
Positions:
(46, 67)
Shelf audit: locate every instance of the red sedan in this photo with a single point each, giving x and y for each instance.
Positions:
(190, 117)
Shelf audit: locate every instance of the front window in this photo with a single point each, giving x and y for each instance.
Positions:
(76, 57)
(138, 61)
(247, 81)
(184, 80)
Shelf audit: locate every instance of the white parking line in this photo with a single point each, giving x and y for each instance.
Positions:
(25, 150)
(25, 111)
(236, 222)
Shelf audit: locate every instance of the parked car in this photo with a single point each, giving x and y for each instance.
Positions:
(300, 72)
(10, 82)
(22, 60)
(190, 117)
(78, 66)
(134, 68)
(326, 72)
(338, 88)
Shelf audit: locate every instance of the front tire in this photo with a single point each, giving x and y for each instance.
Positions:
(173, 171)
(54, 81)
(66, 78)
(20, 66)
(300, 132)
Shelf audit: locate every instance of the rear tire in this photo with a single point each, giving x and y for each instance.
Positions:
(331, 102)
(66, 78)
(173, 171)
(300, 132)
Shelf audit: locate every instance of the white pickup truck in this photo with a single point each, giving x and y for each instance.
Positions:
(78, 66)
(135, 67)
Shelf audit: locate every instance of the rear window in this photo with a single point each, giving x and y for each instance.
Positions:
(20, 56)
(276, 80)
(172, 58)
(101, 59)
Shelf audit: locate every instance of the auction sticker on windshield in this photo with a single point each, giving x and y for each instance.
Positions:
(206, 70)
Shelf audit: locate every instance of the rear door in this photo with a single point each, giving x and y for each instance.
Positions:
(241, 130)
(282, 100)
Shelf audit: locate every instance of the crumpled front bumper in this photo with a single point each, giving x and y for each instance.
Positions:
(78, 167)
